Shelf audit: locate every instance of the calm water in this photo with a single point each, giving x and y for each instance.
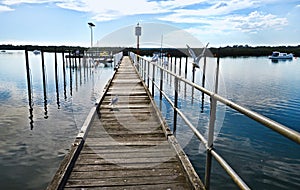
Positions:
(34, 142)
(32, 145)
(264, 159)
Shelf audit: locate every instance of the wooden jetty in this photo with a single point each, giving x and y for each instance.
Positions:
(126, 145)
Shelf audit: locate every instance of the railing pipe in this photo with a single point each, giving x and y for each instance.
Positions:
(235, 177)
(153, 78)
(175, 104)
(211, 130)
(148, 71)
(161, 83)
(281, 129)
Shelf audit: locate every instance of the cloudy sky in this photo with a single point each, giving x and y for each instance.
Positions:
(230, 22)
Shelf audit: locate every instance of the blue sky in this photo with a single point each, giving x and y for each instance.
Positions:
(64, 22)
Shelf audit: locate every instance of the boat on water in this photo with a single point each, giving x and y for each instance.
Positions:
(36, 52)
(276, 55)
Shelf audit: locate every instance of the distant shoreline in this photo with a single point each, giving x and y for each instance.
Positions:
(228, 51)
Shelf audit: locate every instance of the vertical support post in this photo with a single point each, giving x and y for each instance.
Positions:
(29, 89)
(193, 80)
(28, 76)
(171, 64)
(79, 67)
(153, 78)
(56, 79)
(161, 84)
(148, 71)
(145, 72)
(175, 64)
(175, 104)
(64, 74)
(193, 76)
(44, 85)
(70, 64)
(70, 69)
(203, 84)
(185, 75)
(76, 75)
(75, 57)
(211, 128)
(180, 66)
(186, 62)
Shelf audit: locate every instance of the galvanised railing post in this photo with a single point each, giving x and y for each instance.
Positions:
(153, 78)
(175, 104)
(144, 70)
(148, 71)
(142, 66)
(211, 128)
(161, 83)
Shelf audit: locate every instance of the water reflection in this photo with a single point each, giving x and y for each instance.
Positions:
(81, 70)
(281, 60)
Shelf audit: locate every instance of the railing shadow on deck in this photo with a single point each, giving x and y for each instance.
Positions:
(147, 69)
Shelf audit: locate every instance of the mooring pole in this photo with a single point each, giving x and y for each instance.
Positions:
(44, 85)
(193, 80)
(64, 75)
(70, 69)
(186, 62)
(175, 104)
(56, 79)
(29, 90)
(180, 66)
(203, 84)
(175, 64)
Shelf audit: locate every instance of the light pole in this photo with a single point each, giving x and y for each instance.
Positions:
(138, 32)
(91, 27)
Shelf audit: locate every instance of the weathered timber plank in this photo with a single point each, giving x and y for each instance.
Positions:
(108, 141)
(126, 166)
(128, 173)
(172, 186)
(128, 154)
(125, 181)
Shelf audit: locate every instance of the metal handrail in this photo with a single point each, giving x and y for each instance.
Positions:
(277, 127)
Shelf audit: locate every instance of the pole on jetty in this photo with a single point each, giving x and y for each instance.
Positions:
(91, 25)
(161, 83)
(203, 84)
(56, 79)
(175, 104)
(64, 75)
(44, 85)
(29, 90)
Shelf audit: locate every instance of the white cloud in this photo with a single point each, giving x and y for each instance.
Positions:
(15, 2)
(256, 21)
(5, 8)
(113, 9)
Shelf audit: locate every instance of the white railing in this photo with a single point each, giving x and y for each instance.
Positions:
(143, 67)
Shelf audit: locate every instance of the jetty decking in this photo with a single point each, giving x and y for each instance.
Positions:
(128, 145)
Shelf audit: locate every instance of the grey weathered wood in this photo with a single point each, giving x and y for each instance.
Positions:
(128, 145)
